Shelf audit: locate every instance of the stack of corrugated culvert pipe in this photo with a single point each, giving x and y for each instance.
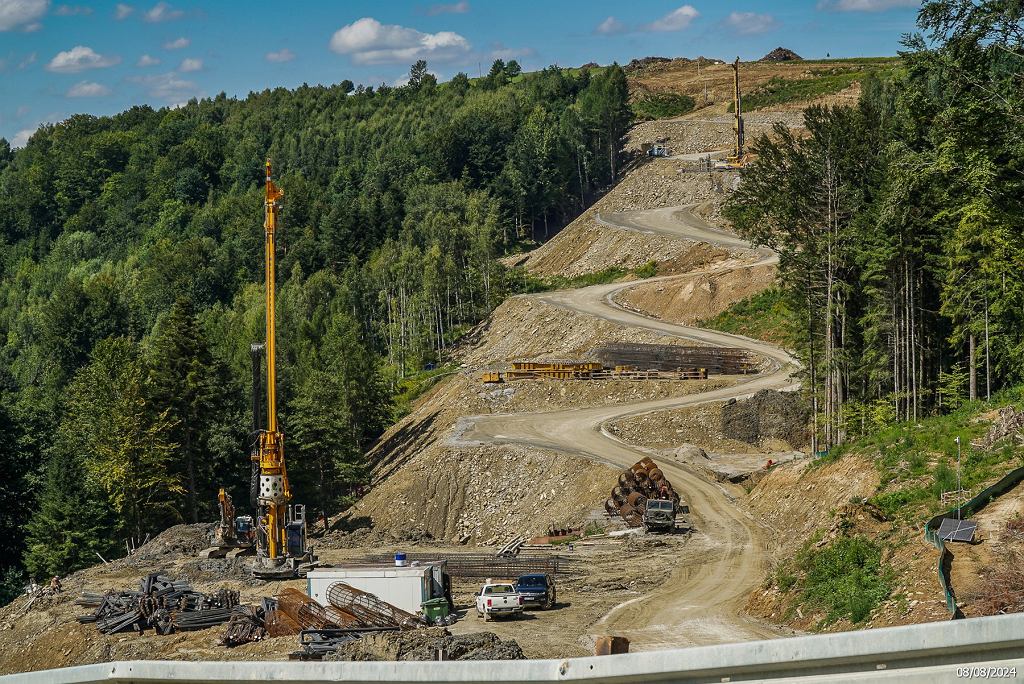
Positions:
(643, 481)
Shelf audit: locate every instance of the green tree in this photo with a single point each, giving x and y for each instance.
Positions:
(193, 388)
(124, 438)
(72, 523)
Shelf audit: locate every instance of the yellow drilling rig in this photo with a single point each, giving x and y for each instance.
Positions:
(281, 527)
(736, 160)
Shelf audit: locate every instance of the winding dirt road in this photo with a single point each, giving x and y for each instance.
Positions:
(701, 602)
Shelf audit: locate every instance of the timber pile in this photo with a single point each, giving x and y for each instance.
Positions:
(161, 603)
(643, 481)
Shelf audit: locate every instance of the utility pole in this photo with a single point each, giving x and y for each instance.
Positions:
(958, 488)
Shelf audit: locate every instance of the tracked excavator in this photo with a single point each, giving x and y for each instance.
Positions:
(281, 549)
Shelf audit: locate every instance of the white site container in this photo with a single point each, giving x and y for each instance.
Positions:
(406, 588)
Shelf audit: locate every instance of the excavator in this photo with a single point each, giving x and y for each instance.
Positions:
(281, 548)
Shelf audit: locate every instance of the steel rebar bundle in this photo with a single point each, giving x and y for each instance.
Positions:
(163, 604)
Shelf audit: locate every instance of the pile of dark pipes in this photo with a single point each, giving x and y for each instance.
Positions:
(161, 603)
(637, 484)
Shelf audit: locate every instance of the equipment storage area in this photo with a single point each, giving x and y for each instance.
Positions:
(403, 587)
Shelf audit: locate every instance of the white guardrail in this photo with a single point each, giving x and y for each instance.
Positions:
(990, 648)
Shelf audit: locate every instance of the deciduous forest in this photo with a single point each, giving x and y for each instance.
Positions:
(130, 291)
(900, 227)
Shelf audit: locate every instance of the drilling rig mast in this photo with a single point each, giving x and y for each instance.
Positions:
(281, 535)
(738, 103)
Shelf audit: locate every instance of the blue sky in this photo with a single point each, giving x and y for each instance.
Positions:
(57, 59)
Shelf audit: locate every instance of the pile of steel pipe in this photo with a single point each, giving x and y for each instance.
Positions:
(643, 481)
(161, 603)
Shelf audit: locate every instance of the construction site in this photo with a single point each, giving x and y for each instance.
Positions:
(655, 474)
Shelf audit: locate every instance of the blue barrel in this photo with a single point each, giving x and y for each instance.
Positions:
(400, 559)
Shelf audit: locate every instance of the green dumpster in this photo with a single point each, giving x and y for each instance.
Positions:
(435, 609)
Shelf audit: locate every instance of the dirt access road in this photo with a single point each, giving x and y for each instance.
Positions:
(702, 601)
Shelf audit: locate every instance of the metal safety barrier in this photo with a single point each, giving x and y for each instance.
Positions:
(949, 651)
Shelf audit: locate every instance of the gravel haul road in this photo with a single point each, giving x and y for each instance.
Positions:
(702, 601)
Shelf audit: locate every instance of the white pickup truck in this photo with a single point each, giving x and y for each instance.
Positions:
(498, 599)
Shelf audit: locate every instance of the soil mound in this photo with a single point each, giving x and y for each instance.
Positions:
(425, 644)
(781, 54)
(767, 415)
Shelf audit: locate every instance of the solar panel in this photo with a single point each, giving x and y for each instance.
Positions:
(952, 529)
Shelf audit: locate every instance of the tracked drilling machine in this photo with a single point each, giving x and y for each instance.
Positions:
(281, 528)
(736, 160)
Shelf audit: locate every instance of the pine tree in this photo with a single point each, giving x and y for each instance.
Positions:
(193, 387)
(72, 523)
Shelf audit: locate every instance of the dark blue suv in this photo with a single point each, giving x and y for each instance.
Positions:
(536, 590)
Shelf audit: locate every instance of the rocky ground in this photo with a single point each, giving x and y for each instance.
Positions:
(605, 572)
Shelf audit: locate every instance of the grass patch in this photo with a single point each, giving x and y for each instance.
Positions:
(413, 386)
(845, 578)
(916, 461)
(764, 316)
(827, 80)
(662, 106)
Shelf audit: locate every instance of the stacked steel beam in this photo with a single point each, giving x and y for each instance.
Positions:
(163, 604)
(670, 357)
(643, 481)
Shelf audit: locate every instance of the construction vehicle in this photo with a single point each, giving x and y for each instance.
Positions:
(736, 160)
(659, 515)
(280, 527)
(233, 536)
(658, 150)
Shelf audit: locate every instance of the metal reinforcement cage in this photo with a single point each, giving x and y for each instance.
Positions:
(671, 357)
(368, 609)
(309, 614)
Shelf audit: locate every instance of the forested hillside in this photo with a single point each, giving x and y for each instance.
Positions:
(900, 226)
(131, 268)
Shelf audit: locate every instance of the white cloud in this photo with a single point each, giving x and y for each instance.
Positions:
(20, 138)
(282, 55)
(190, 64)
(122, 11)
(161, 11)
(80, 58)
(147, 61)
(865, 5)
(452, 8)
(88, 89)
(14, 13)
(177, 43)
(750, 23)
(168, 87)
(28, 61)
(610, 26)
(370, 42)
(71, 10)
(676, 20)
